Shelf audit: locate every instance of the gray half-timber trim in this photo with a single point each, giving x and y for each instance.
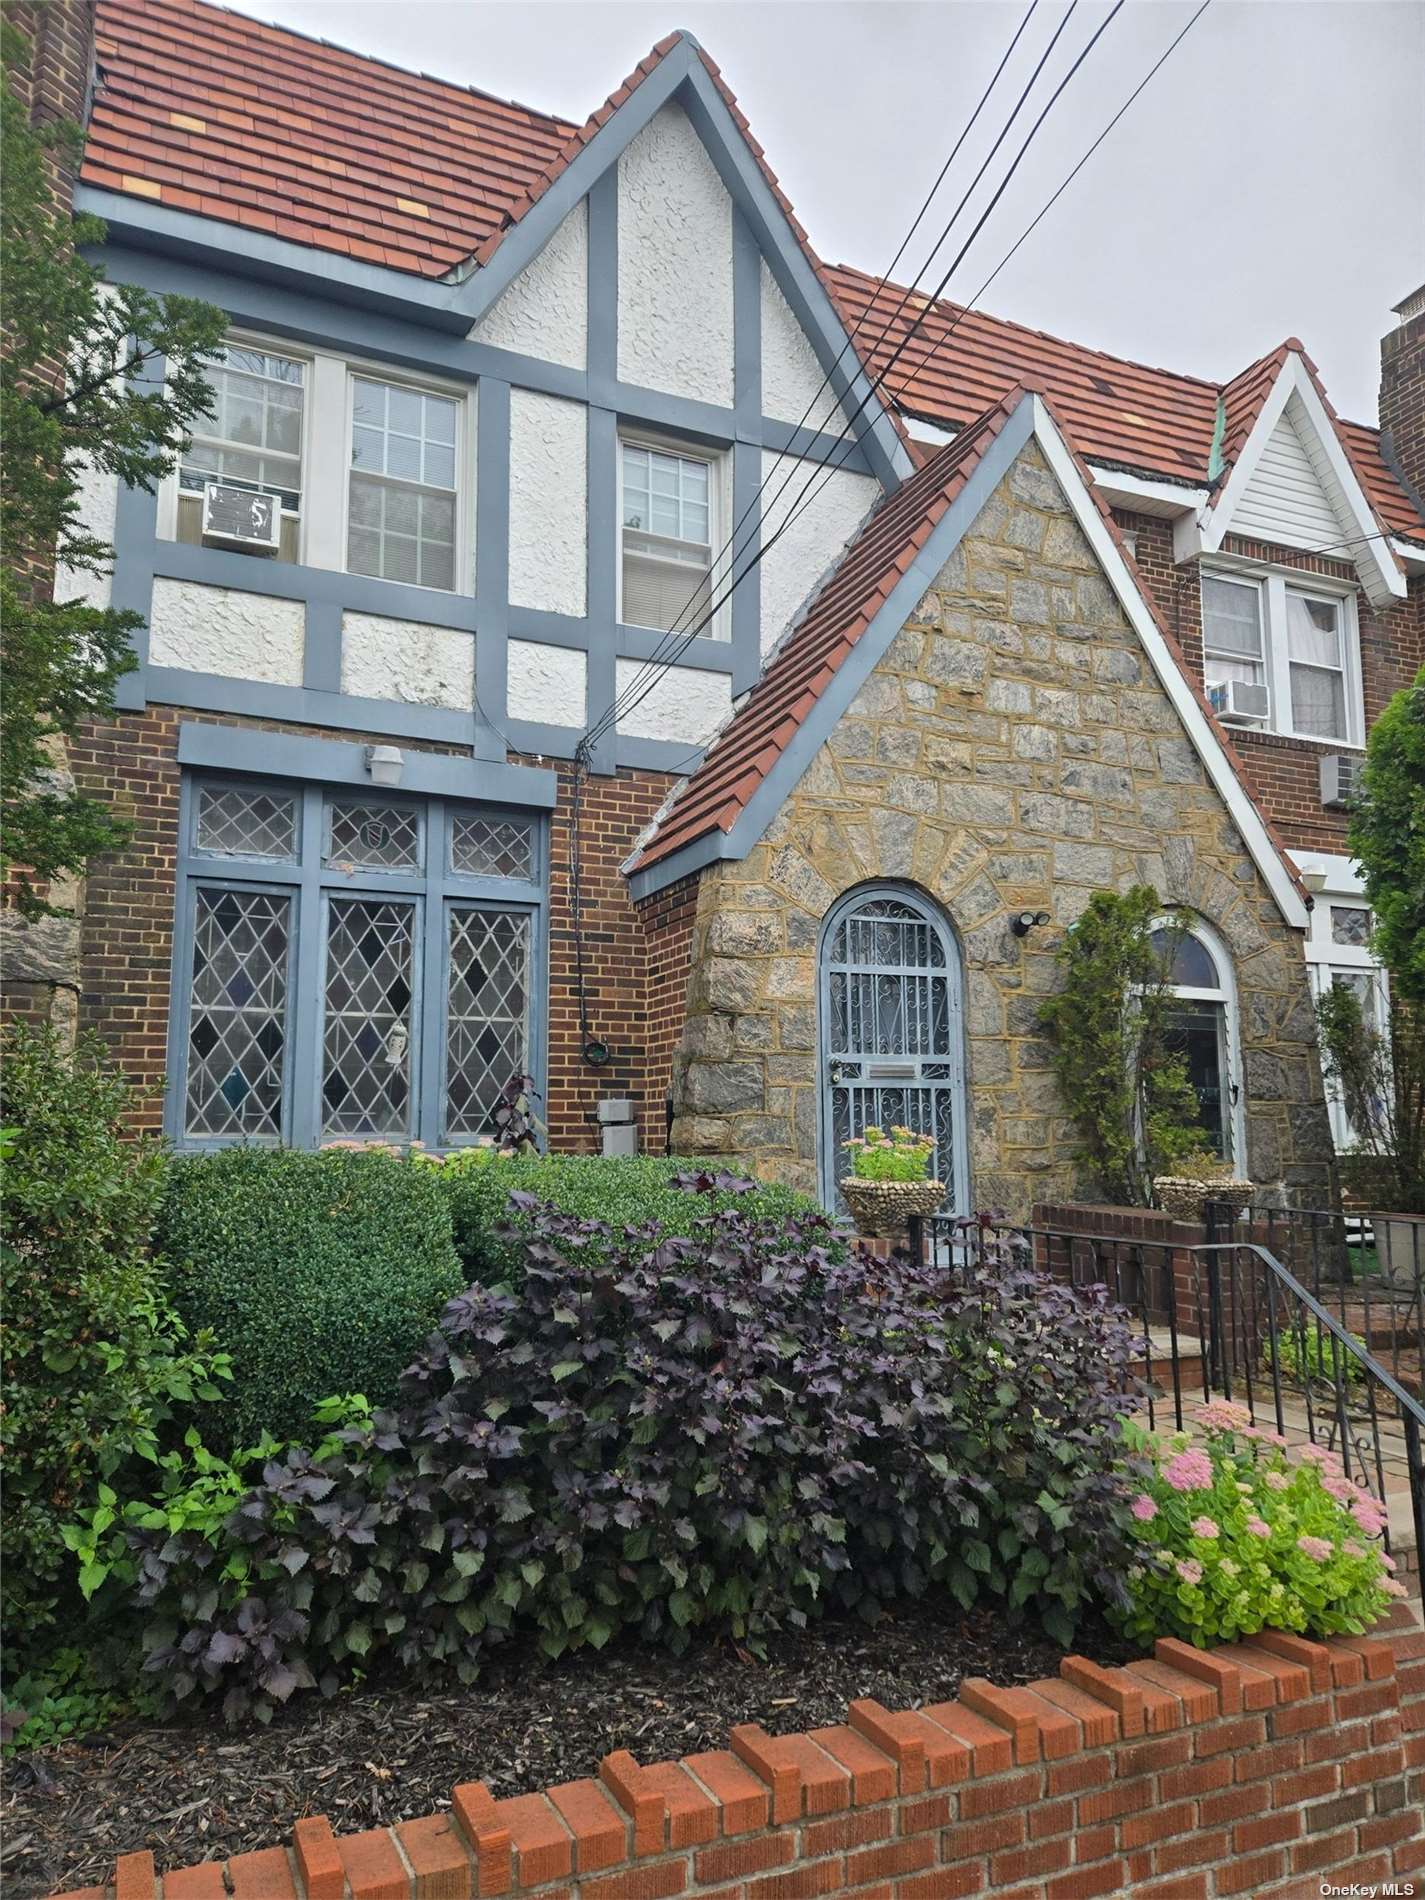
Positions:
(231, 749)
(853, 672)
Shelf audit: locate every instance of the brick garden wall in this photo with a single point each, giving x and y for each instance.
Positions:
(1264, 1769)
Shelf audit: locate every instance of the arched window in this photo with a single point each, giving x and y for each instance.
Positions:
(891, 1031)
(1203, 1027)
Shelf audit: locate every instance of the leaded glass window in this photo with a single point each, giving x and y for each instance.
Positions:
(492, 847)
(246, 822)
(487, 1033)
(366, 1073)
(343, 982)
(238, 1013)
(376, 837)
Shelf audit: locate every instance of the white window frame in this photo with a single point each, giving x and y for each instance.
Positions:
(326, 446)
(1190, 924)
(719, 512)
(1326, 959)
(1274, 584)
(463, 554)
(166, 524)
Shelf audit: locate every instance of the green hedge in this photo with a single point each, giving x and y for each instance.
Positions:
(621, 1191)
(320, 1273)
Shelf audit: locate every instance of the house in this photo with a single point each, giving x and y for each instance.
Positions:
(452, 751)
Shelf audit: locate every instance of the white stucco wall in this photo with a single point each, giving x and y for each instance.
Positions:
(98, 500)
(222, 630)
(835, 507)
(675, 264)
(792, 376)
(546, 683)
(548, 502)
(407, 660)
(544, 312)
(687, 703)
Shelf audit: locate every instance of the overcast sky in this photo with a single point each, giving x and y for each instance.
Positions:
(1269, 182)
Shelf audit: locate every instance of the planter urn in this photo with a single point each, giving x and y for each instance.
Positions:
(882, 1208)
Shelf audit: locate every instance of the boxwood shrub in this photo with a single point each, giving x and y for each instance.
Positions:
(618, 1192)
(320, 1273)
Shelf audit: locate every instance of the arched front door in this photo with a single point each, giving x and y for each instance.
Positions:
(892, 1049)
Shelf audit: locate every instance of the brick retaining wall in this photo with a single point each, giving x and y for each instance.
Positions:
(1263, 1769)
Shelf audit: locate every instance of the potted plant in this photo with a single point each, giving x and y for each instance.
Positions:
(1186, 1193)
(890, 1180)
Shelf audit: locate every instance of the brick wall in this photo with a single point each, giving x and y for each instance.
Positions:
(1282, 772)
(1402, 397)
(127, 944)
(1265, 1768)
(668, 938)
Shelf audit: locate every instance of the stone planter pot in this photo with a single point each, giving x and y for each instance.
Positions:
(1185, 1197)
(882, 1208)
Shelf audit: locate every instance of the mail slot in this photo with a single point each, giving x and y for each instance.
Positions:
(892, 1071)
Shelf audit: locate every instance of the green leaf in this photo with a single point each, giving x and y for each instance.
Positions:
(566, 1369)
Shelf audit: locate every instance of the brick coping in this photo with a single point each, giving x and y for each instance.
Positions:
(624, 1824)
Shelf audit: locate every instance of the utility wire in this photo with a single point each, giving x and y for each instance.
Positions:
(669, 643)
(819, 477)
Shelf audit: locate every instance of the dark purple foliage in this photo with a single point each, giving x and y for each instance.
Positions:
(736, 1431)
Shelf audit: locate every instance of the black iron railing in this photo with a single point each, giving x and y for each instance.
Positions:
(1229, 1317)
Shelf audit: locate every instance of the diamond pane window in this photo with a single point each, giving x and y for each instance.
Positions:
(366, 1070)
(246, 823)
(374, 837)
(492, 847)
(487, 1031)
(1351, 925)
(238, 1013)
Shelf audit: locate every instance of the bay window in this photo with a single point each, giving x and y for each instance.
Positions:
(1298, 641)
(351, 965)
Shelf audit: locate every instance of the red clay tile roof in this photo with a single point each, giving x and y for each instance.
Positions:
(210, 112)
(802, 668)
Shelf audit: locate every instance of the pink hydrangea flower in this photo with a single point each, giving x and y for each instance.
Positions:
(1276, 1480)
(1368, 1517)
(1203, 1527)
(1392, 1588)
(1319, 1455)
(1144, 1509)
(1189, 1471)
(1338, 1487)
(1317, 1548)
(1353, 1549)
(1258, 1528)
(1190, 1570)
(1222, 1415)
(1387, 1560)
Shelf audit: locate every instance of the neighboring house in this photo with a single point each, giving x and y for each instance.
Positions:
(503, 388)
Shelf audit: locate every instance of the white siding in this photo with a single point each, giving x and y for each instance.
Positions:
(830, 507)
(408, 661)
(547, 684)
(792, 378)
(545, 310)
(224, 630)
(548, 502)
(686, 703)
(1286, 500)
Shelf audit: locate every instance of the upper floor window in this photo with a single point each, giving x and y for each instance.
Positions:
(251, 440)
(668, 512)
(1295, 644)
(404, 444)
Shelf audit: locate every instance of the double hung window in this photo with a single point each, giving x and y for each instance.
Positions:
(353, 965)
(402, 503)
(252, 439)
(668, 524)
(1298, 642)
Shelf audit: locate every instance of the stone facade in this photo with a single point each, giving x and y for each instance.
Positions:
(1013, 750)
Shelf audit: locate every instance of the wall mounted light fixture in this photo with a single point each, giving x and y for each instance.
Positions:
(385, 763)
(1028, 920)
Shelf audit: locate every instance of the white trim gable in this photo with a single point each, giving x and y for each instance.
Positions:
(1295, 401)
(1218, 763)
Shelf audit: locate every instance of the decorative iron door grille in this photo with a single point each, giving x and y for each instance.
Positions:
(890, 1008)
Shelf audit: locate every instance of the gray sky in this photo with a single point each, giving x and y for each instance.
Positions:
(1268, 183)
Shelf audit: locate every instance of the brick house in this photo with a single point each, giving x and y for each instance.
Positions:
(503, 389)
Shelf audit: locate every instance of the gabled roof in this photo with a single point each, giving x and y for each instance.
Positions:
(208, 111)
(740, 759)
(731, 797)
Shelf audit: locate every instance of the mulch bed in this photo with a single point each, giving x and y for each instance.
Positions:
(193, 1791)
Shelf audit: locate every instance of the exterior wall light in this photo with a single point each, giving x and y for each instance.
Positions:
(385, 763)
(1028, 920)
(1314, 880)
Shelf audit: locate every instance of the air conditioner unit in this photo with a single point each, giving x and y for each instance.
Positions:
(239, 518)
(1340, 779)
(1243, 701)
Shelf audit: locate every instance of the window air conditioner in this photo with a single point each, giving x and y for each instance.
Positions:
(241, 519)
(1245, 702)
(1340, 779)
